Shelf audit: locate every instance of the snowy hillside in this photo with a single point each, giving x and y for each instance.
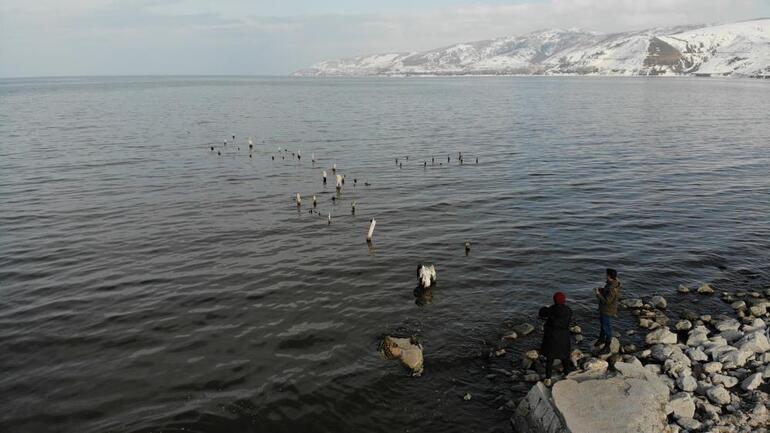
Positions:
(741, 49)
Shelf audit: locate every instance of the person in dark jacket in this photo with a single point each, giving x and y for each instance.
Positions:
(556, 338)
(608, 307)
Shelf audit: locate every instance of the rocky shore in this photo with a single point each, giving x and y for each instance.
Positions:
(695, 373)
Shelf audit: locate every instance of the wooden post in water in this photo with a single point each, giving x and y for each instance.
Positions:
(371, 231)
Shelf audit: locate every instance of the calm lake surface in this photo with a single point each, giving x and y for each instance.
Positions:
(148, 285)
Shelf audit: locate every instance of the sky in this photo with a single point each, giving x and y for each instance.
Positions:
(260, 37)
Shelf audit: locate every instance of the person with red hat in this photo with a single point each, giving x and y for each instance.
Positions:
(556, 336)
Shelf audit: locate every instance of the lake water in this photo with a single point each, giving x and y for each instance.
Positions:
(147, 284)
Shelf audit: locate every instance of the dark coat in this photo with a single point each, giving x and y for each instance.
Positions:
(556, 338)
(608, 298)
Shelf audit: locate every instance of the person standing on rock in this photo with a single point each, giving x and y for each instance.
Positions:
(556, 336)
(608, 307)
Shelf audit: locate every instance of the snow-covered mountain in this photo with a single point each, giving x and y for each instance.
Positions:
(741, 49)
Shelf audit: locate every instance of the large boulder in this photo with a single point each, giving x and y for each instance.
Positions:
(634, 396)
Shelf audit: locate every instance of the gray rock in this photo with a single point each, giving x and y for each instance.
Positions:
(658, 301)
(686, 383)
(718, 395)
(634, 303)
(677, 364)
(683, 289)
(733, 358)
(712, 367)
(653, 368)
(758, 310)
(661, 352)
(682, 405)
(696, 354)
(722, 379)
(596, 365)
(689, 423)
(510, 336)
(636, 400)
(755, 342)
(532, 355)
(698, 336)
(524, 328)
(752, 382)
(731, 335)
(668, 381)
(683, 325)
(755, 325)
(706, 289)
(709, 410)
(724, 325)
(766, 372)
(629, 348)
(662, 335)
(738, 305)
(759, 416)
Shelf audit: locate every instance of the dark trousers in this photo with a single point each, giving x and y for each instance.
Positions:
(605, 322)
(566, 365)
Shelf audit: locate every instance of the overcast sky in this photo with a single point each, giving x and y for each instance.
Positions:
(127, 37)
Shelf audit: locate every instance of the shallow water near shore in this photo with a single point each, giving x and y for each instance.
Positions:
(147, 284)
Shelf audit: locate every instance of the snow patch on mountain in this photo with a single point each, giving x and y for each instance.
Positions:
(730, 49)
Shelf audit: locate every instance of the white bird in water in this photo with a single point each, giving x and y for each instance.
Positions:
(353, 207)
(299, 200)
(323, 174)
(312, 157)
(338, 185)
(329, 218)
(426, 275)
(314, 202)
(334, 167)
(467, 247)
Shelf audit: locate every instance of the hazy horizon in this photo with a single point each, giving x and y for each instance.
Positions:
(238, 37)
